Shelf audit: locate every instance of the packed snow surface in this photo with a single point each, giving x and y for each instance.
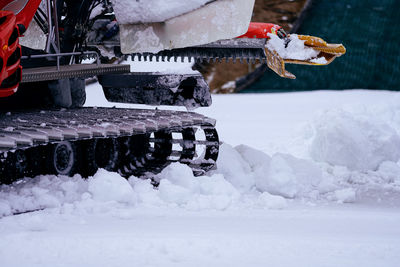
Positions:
(303, 179)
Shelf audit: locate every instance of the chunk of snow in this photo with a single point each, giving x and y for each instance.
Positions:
(347, 195)
(282, 174)
(108, 186)
(179, 186)
(294, 50)
(279, 179)
(234, 168)
(255, 158)
(229, 85)
(319, 60)
(343, 139)
(389, 171)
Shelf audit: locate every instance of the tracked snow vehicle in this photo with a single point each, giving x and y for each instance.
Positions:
(48, 49)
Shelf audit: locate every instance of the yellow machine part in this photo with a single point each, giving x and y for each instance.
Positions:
(326, 50)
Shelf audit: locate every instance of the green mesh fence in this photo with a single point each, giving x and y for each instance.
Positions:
(370, 30)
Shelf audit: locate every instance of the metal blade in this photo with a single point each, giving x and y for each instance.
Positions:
(250, 50)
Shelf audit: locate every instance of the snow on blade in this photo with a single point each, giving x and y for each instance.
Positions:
(166, 67)
(294, 50)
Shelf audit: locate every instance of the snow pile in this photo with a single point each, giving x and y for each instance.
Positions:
(282, 174)
(47, 191)
(179, 187)
(106, 186)
(246, 179)
(348, 154)
(294, 50)
(357, 142)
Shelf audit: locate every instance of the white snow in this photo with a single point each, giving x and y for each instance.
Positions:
(346, 195)
(319, 60)
(105, 186)
(145, 40)
(294, 50)
(182, 66)
(147, 11)
(356, 141)
(317, 183)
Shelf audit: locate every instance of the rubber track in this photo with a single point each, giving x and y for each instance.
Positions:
(152, 129)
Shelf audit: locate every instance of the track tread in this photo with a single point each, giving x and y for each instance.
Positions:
(39, 129)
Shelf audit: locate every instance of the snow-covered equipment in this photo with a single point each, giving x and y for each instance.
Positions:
(44, 128)
(283, 48)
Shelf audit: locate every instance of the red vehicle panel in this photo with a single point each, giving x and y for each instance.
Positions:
(261, 30)
(15, 17)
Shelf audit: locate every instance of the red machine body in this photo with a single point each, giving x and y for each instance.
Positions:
(15, 17)
(261, 30)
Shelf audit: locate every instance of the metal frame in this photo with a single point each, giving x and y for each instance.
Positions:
(59, 55)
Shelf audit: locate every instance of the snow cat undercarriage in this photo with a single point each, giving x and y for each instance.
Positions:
(44, 128)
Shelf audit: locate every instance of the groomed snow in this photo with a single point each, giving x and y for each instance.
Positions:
(303, 179)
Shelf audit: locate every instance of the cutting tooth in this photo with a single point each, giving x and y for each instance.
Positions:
(139, 57)
(196, 56)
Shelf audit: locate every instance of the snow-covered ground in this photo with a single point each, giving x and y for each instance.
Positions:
(303, 179)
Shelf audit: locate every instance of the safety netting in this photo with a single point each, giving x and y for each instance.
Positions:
(369, 29)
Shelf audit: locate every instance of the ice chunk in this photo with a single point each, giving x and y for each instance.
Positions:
(279, 179)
